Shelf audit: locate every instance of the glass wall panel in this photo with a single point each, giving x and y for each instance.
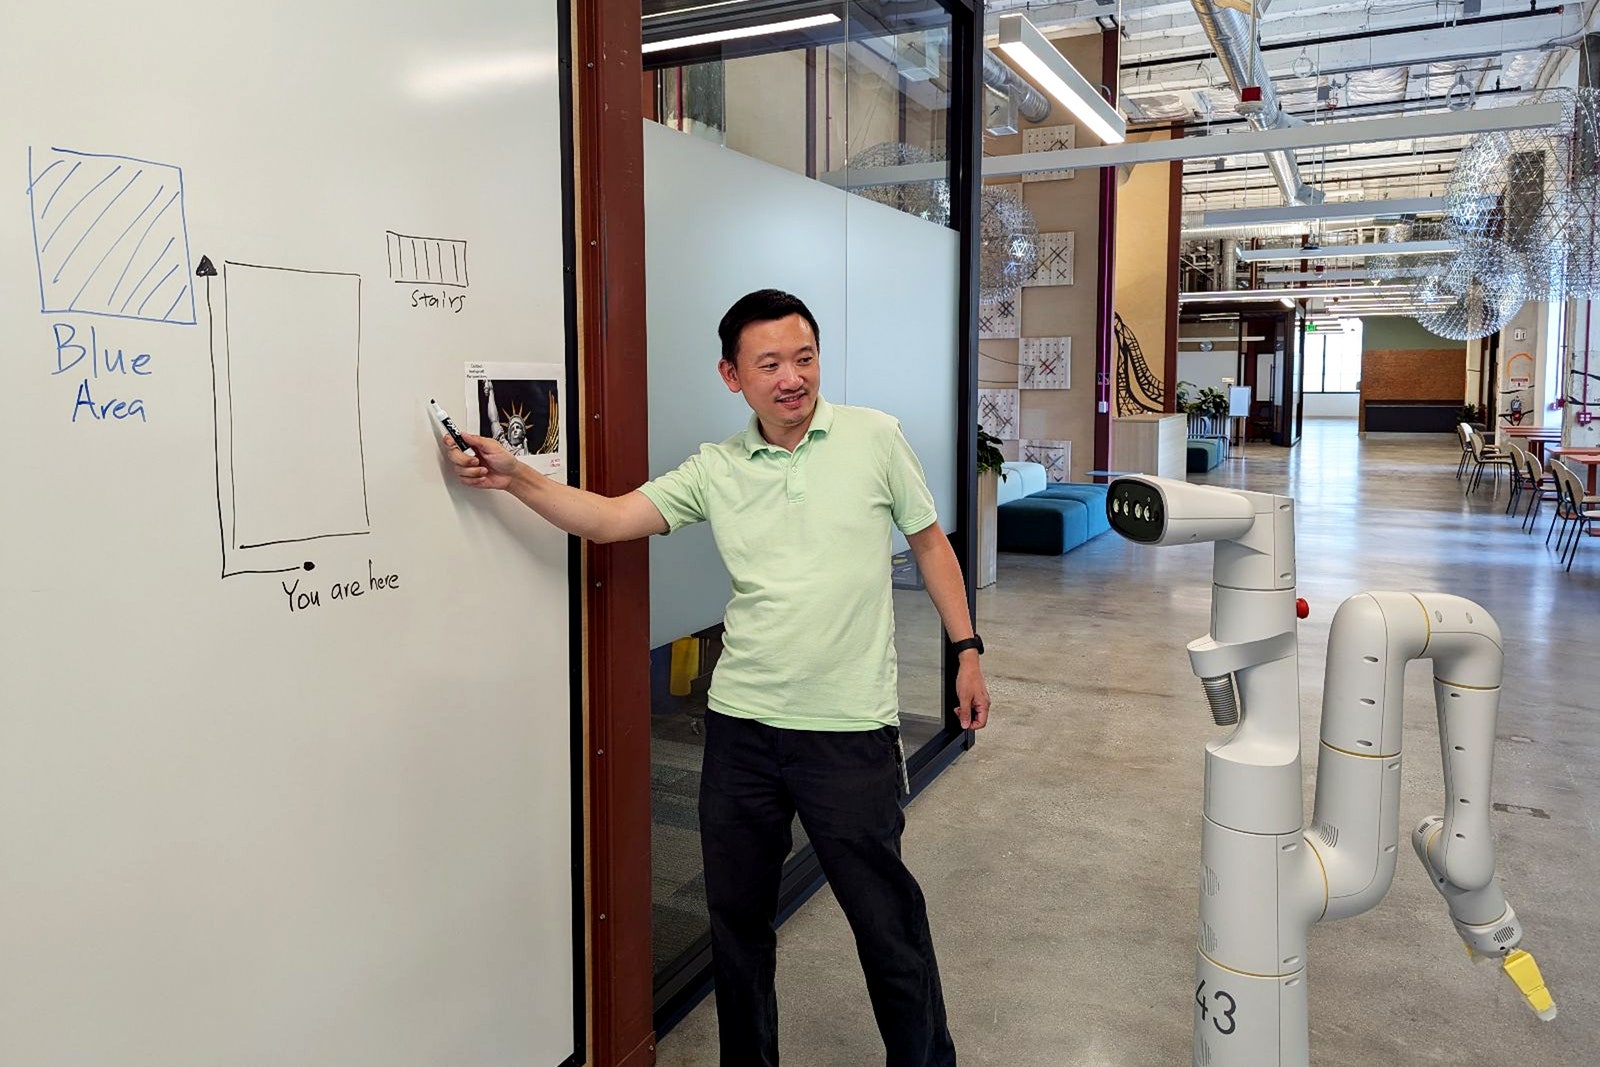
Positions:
(759, 172)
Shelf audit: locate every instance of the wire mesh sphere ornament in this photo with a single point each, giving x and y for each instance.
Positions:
(1414, 269)
(1527, 202)
(1461, 303)
(1008, 243)
(926, 200)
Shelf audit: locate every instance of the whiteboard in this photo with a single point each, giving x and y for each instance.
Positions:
(250, 812)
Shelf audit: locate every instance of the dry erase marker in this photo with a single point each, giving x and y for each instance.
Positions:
(450, 428)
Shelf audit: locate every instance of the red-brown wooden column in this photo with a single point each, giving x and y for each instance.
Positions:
(611, 315)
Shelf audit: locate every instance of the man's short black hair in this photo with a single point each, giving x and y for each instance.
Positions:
(763, 305)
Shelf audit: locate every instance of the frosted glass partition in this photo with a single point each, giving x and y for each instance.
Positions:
(902, 334)
(881, 283)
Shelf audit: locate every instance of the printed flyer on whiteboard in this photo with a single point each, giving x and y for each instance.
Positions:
(519, 405)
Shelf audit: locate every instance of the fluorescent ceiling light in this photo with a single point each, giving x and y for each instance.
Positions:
(1025, 46)
(1228, 296)
(1376, 248)
(1349, 211)
(741, 32)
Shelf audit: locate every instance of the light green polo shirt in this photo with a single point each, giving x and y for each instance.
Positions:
(809, 641)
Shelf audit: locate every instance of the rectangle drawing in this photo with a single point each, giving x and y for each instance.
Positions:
(998, 318)
(1045, 363)
(293, 396)
(997, 412)
(430, 260)
(109, 236)
(1049, 139)
(1055, 259)
(1056, 456)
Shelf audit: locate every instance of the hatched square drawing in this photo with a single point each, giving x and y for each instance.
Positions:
(998, 318)
(1045, 363)
(997, 412)
(109, 236)
(1049, 139)
(1054, 456)
(1055, 259)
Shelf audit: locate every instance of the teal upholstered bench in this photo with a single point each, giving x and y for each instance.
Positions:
(1205, 453)
(1044, 518)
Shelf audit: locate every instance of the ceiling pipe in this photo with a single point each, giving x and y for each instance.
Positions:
(1231, 34)
(1031, 103)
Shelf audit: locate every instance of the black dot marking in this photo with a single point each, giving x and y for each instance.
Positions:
(308, 565)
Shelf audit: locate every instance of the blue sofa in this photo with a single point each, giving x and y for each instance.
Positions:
(1047, 519)
(1204, 454)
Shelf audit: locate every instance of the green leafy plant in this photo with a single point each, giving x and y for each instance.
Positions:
(1192, 400)
(1213, 402)
(990, 458)
(1471, 414)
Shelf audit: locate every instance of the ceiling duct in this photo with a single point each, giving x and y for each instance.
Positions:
(1230, 33)
(1031, 103)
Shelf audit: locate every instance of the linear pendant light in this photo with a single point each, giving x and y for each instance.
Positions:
(741, 32)
(1025, 46)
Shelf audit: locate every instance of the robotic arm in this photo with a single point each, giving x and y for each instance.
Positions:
(1355, 825)
(1265, 877)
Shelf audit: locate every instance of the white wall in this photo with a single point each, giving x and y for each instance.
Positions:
(1207, 368)
(881, 284)
(1331, 405)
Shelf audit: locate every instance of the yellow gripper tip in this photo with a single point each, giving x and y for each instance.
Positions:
(1524, 972)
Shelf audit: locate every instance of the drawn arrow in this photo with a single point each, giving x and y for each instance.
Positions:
(208, 270)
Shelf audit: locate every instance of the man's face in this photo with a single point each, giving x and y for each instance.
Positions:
(777, 371)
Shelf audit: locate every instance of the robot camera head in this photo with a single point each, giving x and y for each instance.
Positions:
(1164, 511)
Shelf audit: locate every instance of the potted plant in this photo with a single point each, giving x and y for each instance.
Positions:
(990, 471)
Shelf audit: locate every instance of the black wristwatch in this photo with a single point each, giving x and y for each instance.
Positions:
(974, 642)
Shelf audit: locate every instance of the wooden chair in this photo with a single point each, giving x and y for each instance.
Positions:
(1519, 474)
(1464, 435)
(1581, 513)
(1483, 456)
(1543, 485)
(1572, 505)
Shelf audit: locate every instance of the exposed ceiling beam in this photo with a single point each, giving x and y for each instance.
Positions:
(1447, 124)
(1320, 135)
(1310, 34)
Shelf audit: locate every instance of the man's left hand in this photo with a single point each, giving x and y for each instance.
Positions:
(973, 714)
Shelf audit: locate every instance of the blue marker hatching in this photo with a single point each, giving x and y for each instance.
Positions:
(73, 209)
(158, 286)
(135, 254)
(120, 237)
(92, 238)
(59, 186)
(90, 228)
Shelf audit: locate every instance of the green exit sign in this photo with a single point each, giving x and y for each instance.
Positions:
(1311, 327)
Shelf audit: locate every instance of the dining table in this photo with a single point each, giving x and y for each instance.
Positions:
(1536, 439)
(1580, 457)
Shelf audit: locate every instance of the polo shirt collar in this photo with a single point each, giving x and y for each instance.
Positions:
(821, 423)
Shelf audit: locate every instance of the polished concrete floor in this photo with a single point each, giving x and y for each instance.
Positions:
(1060, 856)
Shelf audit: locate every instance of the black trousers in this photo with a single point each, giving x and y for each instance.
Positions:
(845, 788)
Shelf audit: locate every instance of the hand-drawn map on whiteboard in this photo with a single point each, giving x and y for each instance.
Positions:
(109, 236)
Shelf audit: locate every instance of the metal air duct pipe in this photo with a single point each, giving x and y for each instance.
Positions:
(1229, 32)
(1031, 103)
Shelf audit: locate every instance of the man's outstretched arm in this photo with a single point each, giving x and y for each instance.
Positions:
(597, 518)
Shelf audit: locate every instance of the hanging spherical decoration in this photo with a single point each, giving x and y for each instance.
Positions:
(926, 200)
(1461, 303)
(1008, 242)
(1527, 202)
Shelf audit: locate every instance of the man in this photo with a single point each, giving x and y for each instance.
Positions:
(803, 699)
